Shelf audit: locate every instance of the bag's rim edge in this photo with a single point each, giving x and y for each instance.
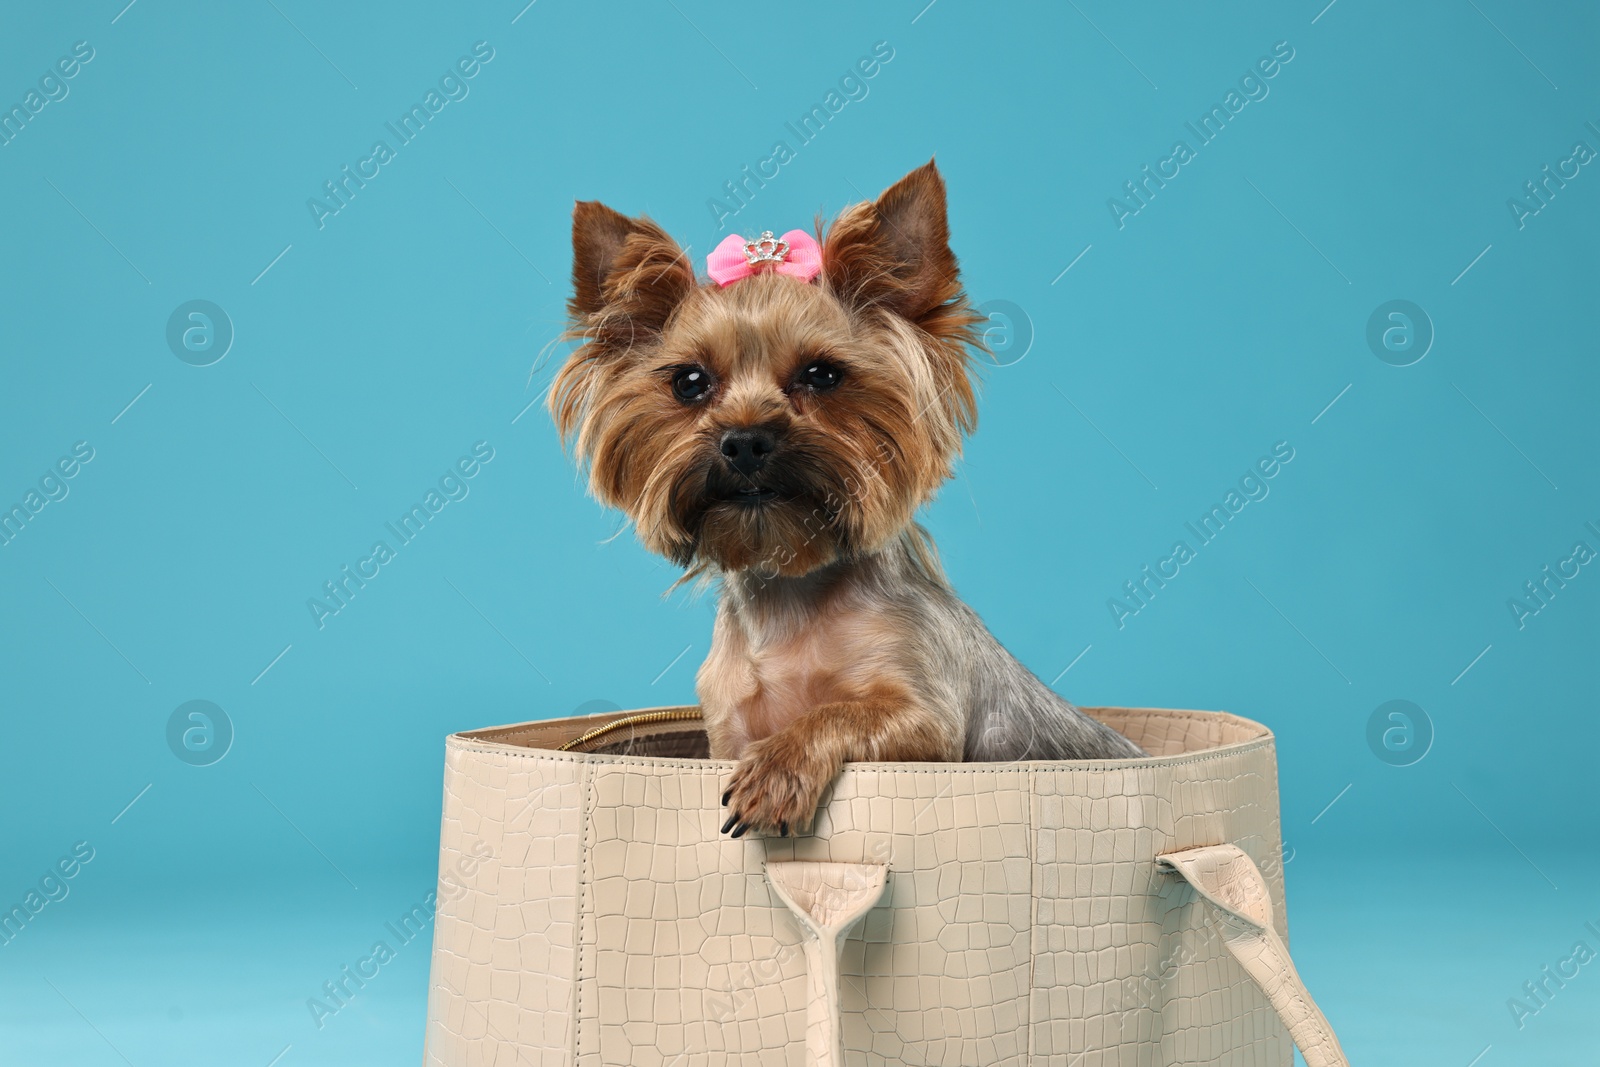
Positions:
(471, 740)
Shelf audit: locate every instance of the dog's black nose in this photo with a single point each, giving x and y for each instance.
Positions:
(747, 450)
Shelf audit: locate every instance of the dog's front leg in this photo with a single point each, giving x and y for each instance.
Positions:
(780, 780)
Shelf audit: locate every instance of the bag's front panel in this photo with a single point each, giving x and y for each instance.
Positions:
(684, 958)
(944, 967)
(689, 957)
(1128, 973)
(504, 948)
(1098, 927)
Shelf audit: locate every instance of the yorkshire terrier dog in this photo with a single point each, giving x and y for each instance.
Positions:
(774, 429)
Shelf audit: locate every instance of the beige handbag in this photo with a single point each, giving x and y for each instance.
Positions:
(1124, 912)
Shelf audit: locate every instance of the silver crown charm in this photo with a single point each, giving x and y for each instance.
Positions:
(766, 249)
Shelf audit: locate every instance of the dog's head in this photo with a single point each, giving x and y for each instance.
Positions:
(770, 423)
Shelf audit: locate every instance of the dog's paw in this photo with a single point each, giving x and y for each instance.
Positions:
(776, 787)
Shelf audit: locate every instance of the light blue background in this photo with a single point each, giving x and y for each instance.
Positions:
(379, 348)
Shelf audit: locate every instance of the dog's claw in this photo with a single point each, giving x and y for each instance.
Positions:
(729, 824)
(725, 797)
(740, 831)
(783, 829)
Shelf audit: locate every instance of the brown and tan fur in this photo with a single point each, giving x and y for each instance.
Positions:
(837, 637)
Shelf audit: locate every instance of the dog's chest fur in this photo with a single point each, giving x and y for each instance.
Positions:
(780, 649)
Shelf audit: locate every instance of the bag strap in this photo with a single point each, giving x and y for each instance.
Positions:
(827, 898)
(1240, 907)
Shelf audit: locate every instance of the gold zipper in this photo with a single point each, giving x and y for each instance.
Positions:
(673, 715)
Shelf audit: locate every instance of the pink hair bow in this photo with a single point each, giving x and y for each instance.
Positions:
(796, 254)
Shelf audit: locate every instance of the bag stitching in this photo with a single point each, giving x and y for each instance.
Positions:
(1103, 766)
(1310, 1016)
(1033, 908)
(578, 935)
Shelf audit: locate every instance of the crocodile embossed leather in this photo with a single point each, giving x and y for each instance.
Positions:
(1113, 912)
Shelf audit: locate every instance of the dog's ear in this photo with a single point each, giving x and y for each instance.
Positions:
(895, 253)
(626, 267)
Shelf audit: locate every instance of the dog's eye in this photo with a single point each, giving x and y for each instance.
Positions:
(691, 383)
(820, 375)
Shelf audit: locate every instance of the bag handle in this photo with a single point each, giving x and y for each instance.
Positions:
(827, 898)
(1240, 907)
